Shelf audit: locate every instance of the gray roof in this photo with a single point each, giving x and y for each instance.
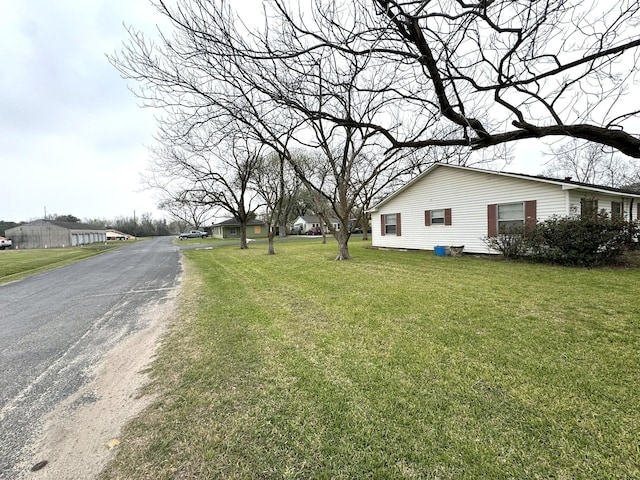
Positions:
(316, 219)
(233, 222)
(67, 225)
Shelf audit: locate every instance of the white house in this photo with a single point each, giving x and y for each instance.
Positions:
(450, 205)
(304, 223)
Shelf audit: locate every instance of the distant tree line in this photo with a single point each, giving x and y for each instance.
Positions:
(143, 226)
(5, 225)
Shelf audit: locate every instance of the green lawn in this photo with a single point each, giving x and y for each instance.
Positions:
(17, 264)
(392, 365)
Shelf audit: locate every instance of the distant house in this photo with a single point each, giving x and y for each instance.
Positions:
(304, 223)
(53, 234)
(449, 205)
(231, 229)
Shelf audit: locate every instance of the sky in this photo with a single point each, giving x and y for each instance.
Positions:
(73, 138)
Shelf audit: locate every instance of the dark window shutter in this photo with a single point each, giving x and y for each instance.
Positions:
(382, 226)
(427, 218)
(398, 229)
(492, 220)
(638, 211)
(530, 215)
(447, 216)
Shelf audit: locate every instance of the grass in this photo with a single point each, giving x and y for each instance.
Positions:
(391, 365)
(217, 241)
(190, 241)
(17, 264)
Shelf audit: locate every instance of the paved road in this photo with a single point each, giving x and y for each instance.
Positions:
(54, 326)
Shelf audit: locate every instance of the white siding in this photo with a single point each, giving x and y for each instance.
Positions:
(467, 193)
(604, 202)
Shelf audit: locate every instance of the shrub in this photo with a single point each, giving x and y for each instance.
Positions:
(510, 243)
(587, 242)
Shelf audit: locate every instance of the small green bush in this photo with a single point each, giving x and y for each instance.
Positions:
(586, 242)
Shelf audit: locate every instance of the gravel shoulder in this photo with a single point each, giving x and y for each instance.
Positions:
(81, 435)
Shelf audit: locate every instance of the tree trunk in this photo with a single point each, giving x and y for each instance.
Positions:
(243, 235)
(365, 227)
(270, 237)
(342, 236)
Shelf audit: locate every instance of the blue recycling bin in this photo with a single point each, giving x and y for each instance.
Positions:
(439, 251)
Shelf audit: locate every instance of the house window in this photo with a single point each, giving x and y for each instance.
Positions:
(507, 217)
(390, 224)
(233, 231)
(437, 217)
(616, 209)
(588, 208)
(257, 230)
(510, 217)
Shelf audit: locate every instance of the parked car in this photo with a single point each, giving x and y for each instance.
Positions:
(192, 234)
(5, 243)
(314, 231)
(296, 230)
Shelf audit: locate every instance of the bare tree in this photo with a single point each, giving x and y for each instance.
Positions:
(487, 72)
(591, 163)
(293, 202)
(172, 192)
(212, 176)
(213, 71)
(358, 76)
(276, 185)
(187, 213)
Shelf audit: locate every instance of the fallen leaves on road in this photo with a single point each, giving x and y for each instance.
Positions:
(39, 466)
(114, 442)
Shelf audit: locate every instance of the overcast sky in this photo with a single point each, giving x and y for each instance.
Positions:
(72, 136)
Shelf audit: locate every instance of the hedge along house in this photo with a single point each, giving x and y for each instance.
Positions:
(231, 229)
(52, 234)
(450, 205)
